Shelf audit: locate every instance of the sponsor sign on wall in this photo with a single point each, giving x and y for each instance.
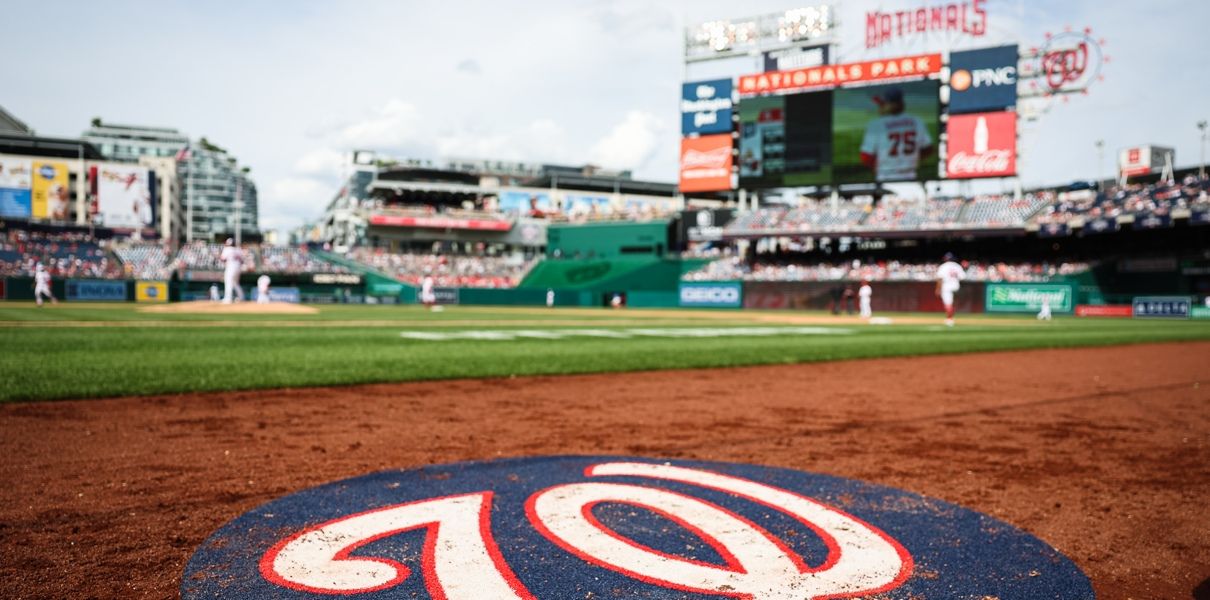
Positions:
(94, 290)
(1162, 307)
(706, 163)
(440, 223)
(981, 145)
(983, 80)
(706, 106)
(834, 75)
(711, 294)
(1028, 297)
(16, 175)
(1103, 310)
(151, 291)
(280, 294)
(51, 196)
(124, 196)
(788, 59)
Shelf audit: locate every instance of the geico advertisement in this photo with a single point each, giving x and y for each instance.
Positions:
(719, 295)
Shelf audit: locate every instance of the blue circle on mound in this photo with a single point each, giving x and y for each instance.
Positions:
(557, 527)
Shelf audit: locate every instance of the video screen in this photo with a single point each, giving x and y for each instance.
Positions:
(858, 135)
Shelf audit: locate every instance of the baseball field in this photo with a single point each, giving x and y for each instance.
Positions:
(129, 435)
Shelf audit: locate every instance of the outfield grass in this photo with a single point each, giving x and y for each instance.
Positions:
(74, 351)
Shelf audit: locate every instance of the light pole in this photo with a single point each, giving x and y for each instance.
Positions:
(1201, 125)
(1100, 144)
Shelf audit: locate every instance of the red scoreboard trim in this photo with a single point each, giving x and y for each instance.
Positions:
(833, 75)
(440, 223)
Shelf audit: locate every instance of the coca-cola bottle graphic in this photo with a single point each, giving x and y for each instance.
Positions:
(981, 135)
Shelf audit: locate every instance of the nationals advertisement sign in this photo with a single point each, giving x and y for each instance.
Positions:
(964, 18)
(706, 163)
(563, 527)
(981, 145)
(834, 75)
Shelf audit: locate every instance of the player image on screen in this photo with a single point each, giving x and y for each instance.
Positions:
(886, 132)
(895, 142)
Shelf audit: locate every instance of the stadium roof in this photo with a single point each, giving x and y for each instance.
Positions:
(47, 146)
(11, 124)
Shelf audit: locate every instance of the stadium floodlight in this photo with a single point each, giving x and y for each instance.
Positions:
(775, 31)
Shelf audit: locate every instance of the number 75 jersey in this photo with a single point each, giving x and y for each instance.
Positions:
(896, 143)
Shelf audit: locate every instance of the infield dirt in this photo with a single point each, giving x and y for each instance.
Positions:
(1103, 452)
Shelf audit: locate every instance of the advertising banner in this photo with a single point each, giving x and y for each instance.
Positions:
(1134, 161)
(51, 195)
(1200, 312)
(1162, 307)
(981, 145)
(151, 291)
(704, 225)
(706, 163)
(124, 196)
(1028, 297)
(95, 290)
(583, 204)
(869, 71)
(1153, 221)
(711, 294)
(1100, 225)
(706, 106)
(983, 80)
(525, 202)
(440, 223)
(789, 59)
(445, 295)
(336, 279)
(16, 176)
(1103, 310)
(279, 294)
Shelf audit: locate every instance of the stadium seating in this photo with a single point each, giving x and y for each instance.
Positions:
(447, 270)
(64, 254)
(293, 260)
(144, 260)
(735, 268)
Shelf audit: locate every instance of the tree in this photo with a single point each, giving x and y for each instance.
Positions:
(96, 121)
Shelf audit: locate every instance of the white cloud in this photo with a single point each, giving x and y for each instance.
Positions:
(396, 124)
(632, 143)
(321, 162)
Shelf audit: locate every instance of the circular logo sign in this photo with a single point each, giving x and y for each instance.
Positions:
(552, 528)
(960, 80)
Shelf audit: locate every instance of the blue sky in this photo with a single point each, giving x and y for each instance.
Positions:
(288, 86)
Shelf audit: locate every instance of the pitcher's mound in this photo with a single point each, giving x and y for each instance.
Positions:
(239, 308)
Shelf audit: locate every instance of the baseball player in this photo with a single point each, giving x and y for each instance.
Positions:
(949, 277)
(215, 296)
(863, 298)
(895, 142)
(42, 285)
(1044, 313)
(233, 260)
(550, 297)
(262, 289)
(427, 296)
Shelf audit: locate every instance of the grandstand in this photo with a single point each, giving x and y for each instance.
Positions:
(447, 270)
(144, 260)
(735, 268)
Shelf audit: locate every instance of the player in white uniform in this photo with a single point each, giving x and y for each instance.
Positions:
(550, 298)
(42, 285)
(215, 296)
(949, 278)
(233, 260)
(895, 142)
(863, 298)
(427, 296)
(1044, 313)
(262, 289)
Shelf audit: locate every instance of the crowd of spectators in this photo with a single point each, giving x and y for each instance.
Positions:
(735, 268)
(143, 260)
(63, 254)
(293, 260)
(447, 270)
(1161, 198)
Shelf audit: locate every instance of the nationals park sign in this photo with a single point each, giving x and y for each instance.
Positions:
(561, 527)
(1028, 297)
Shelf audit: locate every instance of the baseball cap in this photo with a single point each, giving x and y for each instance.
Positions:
(893, 95)
(229, 242)
(948, 256)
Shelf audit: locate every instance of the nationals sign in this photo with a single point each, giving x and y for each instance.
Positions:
(555, 528)
(981, 145)
(706, 163)
(834, 75)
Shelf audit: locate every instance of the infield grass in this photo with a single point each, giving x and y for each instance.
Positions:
(80, 351)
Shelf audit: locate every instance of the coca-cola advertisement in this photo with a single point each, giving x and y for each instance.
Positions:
(981, 145)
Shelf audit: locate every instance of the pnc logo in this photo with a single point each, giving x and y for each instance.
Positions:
(551, 528)
(963, 79)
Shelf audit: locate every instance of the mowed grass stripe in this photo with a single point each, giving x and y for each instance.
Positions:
(55, 363)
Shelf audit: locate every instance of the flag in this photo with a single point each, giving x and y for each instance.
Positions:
(184, 154)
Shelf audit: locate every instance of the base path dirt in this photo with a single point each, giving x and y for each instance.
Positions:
(1104, 452)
